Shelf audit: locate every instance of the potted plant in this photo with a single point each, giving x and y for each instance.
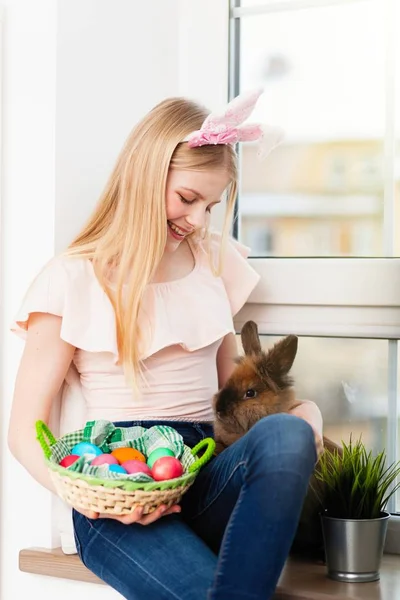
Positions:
(357, 488)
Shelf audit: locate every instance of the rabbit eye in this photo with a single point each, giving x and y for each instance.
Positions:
(250, 394)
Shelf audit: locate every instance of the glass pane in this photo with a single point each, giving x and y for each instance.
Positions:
(321, 192)
(347, 379)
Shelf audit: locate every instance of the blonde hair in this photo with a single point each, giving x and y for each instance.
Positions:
(126, 234)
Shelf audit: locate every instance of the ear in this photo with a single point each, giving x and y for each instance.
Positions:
(280, 357)
(250, 338)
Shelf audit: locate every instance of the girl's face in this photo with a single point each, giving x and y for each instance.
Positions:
(190, 197)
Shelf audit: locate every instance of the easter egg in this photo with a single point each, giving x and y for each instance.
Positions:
(124, 454)
(69, 460)
(136, 466)
(104, 459)
(86, 448)
(117, 469)
(156, 454)
(166, 467)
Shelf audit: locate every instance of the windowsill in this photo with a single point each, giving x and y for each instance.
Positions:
(300, 580)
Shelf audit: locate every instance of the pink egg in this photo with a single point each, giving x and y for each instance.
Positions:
(69, 460)
(136, 466)
(104, 459)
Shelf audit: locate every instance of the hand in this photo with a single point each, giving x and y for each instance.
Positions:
(310, 412)
(135, 517)
(319, 444)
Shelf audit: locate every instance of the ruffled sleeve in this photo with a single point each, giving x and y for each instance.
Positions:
(238, 276)
(46, 294)
(67, 287)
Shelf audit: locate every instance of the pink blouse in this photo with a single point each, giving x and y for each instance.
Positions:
(189, 318)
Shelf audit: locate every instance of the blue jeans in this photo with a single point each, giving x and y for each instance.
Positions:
(235, 530)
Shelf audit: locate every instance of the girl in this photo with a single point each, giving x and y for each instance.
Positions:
(141, 306)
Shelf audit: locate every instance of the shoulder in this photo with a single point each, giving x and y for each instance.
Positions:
(66, 287)
(64, 266)
(238, 276)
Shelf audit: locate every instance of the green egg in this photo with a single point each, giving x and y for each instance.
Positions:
(156, 454)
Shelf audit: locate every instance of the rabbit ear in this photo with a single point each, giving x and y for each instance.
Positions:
(250, 339)
(280, 357)
(237, 111)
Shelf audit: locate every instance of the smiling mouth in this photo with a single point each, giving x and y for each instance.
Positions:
(177, 232)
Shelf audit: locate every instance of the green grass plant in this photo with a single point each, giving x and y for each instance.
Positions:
(358, 485)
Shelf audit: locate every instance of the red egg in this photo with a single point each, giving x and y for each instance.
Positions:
(136, 466)
(166, 467)
(69, 460)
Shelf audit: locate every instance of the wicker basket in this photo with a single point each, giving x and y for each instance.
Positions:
(120, 496)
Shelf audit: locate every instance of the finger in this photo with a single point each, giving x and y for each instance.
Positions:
(154, 516)
(173, 510)
(133, 517)
(161, 511)
(89, 514)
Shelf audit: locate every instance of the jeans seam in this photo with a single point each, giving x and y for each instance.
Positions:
(225, 541)
(148, 574)
(240, 464)
(78, 545)
(225, 544)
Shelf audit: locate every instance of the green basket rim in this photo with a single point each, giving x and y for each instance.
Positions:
(123, 484)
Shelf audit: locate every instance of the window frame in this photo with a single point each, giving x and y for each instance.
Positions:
(355, 297)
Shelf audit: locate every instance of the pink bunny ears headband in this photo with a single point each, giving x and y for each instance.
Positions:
(228, 128)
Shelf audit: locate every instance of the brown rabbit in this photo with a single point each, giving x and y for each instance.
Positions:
(260, 386)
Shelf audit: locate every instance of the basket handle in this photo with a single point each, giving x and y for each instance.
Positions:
(43, 432)
(209, 443)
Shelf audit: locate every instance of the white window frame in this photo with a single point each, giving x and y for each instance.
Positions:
(349, 297)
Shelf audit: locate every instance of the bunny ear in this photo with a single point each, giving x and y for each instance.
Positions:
(271, 138)
(250, 339)
(237, 111)
(280, 357)
(249, 133)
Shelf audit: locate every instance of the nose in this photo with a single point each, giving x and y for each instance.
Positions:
(196, 218)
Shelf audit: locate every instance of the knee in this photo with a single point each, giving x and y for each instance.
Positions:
(283, 438)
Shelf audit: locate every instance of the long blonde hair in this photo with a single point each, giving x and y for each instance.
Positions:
(126, 234)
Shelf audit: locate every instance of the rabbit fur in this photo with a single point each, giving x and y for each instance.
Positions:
(259, 386)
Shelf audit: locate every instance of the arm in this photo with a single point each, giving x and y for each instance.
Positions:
(44, 364)
(227, 352)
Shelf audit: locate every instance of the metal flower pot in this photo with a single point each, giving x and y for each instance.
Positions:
(354, 547)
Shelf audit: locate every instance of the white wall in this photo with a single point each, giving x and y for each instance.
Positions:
(77, 75)
(115, 60)
(27, 234)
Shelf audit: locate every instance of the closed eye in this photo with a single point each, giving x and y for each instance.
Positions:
(185, 200)
(190, 202)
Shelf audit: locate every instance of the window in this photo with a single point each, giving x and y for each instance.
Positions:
(328, 241)
(326, 203)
